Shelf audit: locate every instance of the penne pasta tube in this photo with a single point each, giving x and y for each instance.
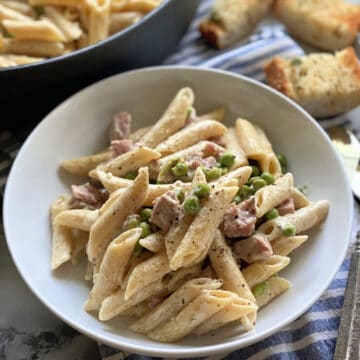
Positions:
(81, 219)
(241, 174)
(42, 30)
(18, 6)
(217, 114)
(82, 165)
(134, 5)
(128, 162)
(256, 146)
(122, 20)
(233, 146)
(172, 120)
(138, 134)
(70, 29)
(194, 314)
(273, 195)
(67, 3)
(112, 268)
(302, 220)
(116, 304)
(286, 244)
(172, 305)
(200, 234)
(12, 60)
(138, 310)
(35, 48)
(7, 13)
(179, 277)
(270, 289)
(109, 224)
(61, 237)
(260, 271)
(232, 312)
(191, 135)
(80, 239)
(153, 242)
(177, 232)
(99, 20)
(300, 200)
(226, 268)
(147, 272)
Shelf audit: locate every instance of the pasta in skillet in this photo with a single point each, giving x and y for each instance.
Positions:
(186, 224)
(32, 30)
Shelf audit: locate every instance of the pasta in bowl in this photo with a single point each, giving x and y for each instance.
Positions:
(171, 211)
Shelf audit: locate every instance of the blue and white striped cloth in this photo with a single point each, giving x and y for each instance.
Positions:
(313, 335)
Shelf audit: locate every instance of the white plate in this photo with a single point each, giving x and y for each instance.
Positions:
(78, 127)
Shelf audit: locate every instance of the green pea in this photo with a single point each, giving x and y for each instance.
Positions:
(245, 191)
(268, 178)
(213, 173)
(180, 169)
(271, 214)
(259, 289)
(145, 214)
(283, 162)
(289, 230)
(132, 223)
(146, 230)
(202, 190)
(137, 249)
(227, 160)
(165, 176)
(180, 194)
(131, 175)
(237, 199)
(258, 184)
(255, 171)
(192, 205)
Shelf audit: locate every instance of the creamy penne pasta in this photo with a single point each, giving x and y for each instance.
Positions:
(185, 224)
(41, 29)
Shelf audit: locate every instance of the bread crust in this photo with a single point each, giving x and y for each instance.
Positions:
(323, 84)
(232, 20)
(328, 25)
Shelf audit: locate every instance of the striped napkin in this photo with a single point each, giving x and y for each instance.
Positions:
(313, 335)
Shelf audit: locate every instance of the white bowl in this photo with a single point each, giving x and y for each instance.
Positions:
(78, 127)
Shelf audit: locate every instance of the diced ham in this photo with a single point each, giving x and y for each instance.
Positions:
(240, 220)
(195, 160)
(166, 210)
(87, 195)
(219, 140)
(119, 147)
(255, 248)
(154, 301)
(286, 207)
(212, 149)
(120, 126)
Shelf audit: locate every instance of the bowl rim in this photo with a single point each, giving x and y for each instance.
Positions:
(156, 348)
(89, 48)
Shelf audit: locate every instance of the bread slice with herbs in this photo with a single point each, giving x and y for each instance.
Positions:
(323, 84)
(326, 24)
(232, 20)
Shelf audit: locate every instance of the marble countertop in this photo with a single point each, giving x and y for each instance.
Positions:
(28, 330)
